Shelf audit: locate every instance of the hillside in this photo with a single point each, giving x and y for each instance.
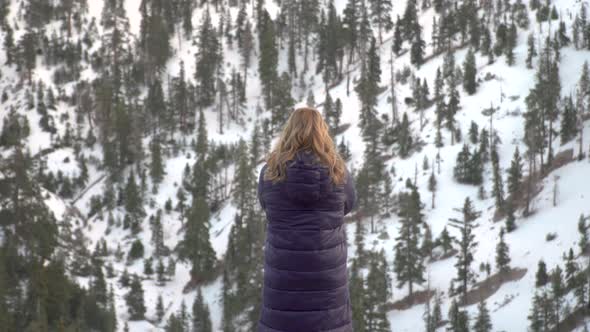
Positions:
(133, 132)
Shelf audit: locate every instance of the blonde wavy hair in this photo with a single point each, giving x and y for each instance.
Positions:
(305, 130)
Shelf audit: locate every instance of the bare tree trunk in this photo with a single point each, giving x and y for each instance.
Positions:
(555, 190)
(393, 97)
(527, 209)
(421, 119)
(348, 82)
(550, 154)
(433, 195)
(220, 108)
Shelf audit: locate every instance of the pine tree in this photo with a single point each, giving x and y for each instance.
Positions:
(511, 41)
(201, 146)
(158, 235)
(155, 105)
(571, 270)
(502, 254)
(27, 54)
(174, 324)
(337, 115)
(243, 180)
(246, 48)
(5, 315)
(405, 139)
(557, 294)
(344, 150)
(535, 316)
(156, 167)
(201, 316)
(242, 264)
(515, 174)
(409, 265)
(309, 24)
(365, 31)
(368, 86)
(581, 290)
(410, 19)
(330, 45)
(542, 107)
(9, 44)
(181, 99)
(134, 300)
(473, 133)
(282, 101)
(377, 294)
(498, 183)
(397, 37)
(133, 203)
(161, 272)
(136, 251)
(183, 316)
(542, 278)
(99, 286)
(268, 59)
(208, 58)
(187, 18)
(111, 322)
(531, 51)
(160, 308)
(381, 15)
(171, 268)
(568, 120)
(470, 73)
(484, 141)
(359, 241)
(196, 245)
(432, 184)
(350, 22)
(476, 168)
(156, 42)
(467, 245)
(436, 311)
(445, 241)
(469, 167)
(433, 318)
(429, 323)
(453, 105)
(583, 230)
(458, 319)
(418, 45)
(357, 290)
(386, 193)
(510, 218)
(369, 180)
(427, 242)
(483, 322)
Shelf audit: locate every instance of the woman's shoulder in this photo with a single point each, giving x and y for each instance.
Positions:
(262, 172)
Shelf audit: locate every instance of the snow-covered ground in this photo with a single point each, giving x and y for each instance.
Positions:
(527, 243)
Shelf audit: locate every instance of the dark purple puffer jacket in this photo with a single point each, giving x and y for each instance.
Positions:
(305, 276)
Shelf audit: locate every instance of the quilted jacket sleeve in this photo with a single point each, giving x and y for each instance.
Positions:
(350, 192)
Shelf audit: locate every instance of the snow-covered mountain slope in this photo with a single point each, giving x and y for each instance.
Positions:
(501, 86)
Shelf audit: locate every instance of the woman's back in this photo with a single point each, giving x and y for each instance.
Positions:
(305, 276)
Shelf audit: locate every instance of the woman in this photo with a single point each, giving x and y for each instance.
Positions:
(305, 191)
